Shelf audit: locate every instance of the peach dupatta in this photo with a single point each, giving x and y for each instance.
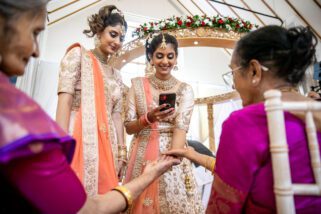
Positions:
(93, 159)
(148, 201)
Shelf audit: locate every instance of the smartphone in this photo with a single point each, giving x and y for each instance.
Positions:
(169, 99)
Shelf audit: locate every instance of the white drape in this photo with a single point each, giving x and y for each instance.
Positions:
(199, 123)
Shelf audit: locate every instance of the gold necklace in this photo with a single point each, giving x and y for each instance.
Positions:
(163, 85)
(101, 58)
(287, 89)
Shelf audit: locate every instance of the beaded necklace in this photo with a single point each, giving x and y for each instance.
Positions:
(163, 85)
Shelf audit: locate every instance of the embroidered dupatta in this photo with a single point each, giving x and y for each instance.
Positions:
(93, 161)
(148, 201)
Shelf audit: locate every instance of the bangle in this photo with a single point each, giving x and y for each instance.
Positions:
(210, 164)
(123, 160)
(146, 119)
(126, 194)
(122, 146)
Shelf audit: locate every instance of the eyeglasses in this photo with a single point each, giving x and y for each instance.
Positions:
(228, 77)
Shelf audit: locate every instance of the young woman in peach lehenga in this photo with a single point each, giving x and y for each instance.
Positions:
(90, 103)
(157, 131)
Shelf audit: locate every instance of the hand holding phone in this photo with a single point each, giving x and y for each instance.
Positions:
(168, 99)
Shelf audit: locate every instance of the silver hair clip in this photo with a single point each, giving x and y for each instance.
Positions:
(116, 11)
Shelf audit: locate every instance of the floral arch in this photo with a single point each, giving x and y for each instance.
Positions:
(196, 31)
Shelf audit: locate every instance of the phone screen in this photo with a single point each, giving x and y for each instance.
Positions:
(169, 99)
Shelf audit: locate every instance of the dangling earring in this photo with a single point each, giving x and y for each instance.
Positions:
(175, 68)
(150, 69)
(153, 69)
(97, 42)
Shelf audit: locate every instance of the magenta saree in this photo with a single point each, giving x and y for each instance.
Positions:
(34, 156)
(243, 173)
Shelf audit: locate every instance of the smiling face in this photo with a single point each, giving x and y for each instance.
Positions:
(19, 47)
(164, 61)
(111, 39)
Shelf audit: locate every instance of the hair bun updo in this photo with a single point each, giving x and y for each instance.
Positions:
(105, 17)
(302, 52)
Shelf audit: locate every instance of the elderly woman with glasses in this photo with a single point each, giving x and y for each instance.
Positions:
(271, 57)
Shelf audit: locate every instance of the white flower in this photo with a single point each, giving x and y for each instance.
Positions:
(162, 24)
(228, 27)
(197, 22)
(156, 27)
(141, 33)
(206, 21)
(172, 23)
(184, 19)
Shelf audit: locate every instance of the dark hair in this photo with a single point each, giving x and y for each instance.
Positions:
(286, 52)
(104, 18)
(157, 40)
(11, 10)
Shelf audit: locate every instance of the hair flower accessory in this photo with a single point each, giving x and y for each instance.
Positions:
(151, 36)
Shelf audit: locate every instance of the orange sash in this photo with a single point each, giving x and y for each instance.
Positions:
(148, 201)
(107, 177)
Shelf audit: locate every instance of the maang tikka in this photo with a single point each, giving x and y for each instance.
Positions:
(163, 44)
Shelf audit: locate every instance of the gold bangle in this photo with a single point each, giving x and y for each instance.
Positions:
(122, 151)
(213, 161)
(126, 194)
(122, 147)
(210, 164)
(122, 157)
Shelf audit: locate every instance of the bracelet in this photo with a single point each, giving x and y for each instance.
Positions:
(122, 146)
(126, 194)
(210, 164)
(146, 119)
(123, 160)
(122, 155)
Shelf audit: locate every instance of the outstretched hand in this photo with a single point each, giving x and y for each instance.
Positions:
(181, 153)
(313, 95)
(160, 166)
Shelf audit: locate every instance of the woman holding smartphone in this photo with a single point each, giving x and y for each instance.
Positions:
(159, 128)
